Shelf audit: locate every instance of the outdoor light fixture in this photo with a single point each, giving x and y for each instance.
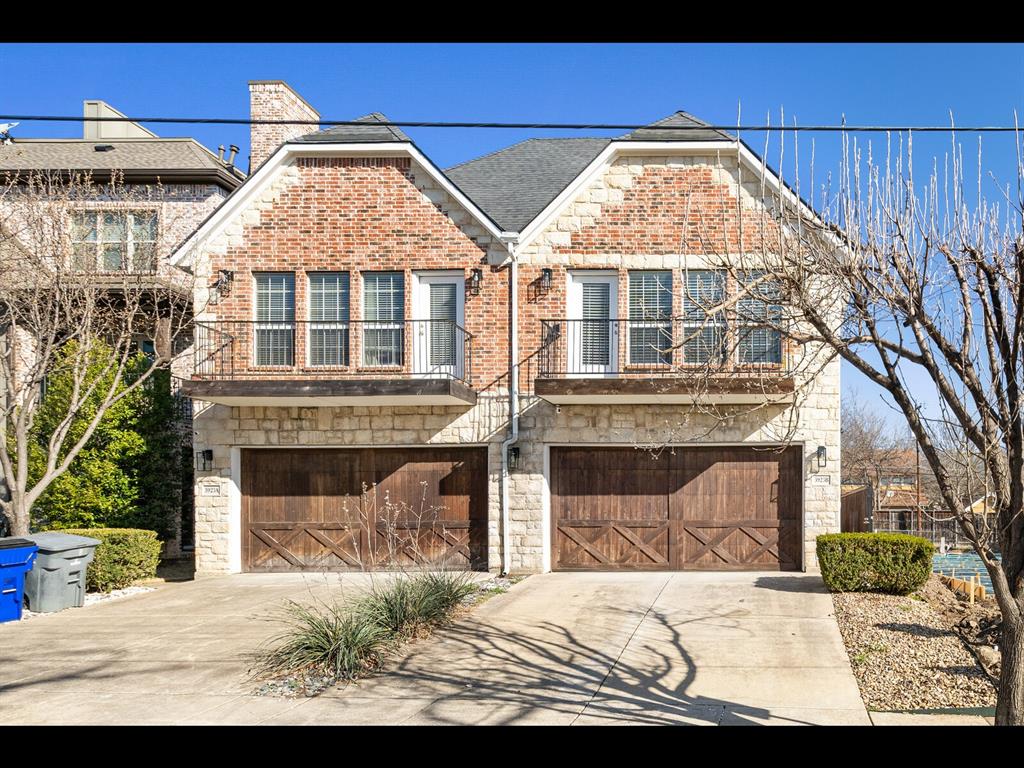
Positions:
(222, 285)
(545, 279)
(475, 278)
(821, 457)
(204, 460)
(513, 458)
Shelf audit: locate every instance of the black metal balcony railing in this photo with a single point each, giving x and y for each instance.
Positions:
(227, 349)
(660, 347)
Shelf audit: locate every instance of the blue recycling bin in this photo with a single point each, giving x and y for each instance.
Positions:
(16, 559)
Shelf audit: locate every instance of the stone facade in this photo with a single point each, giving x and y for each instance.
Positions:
(275, 100)
(640, 213)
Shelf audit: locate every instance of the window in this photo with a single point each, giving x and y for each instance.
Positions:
(384, 316)
(704, 328)
(275, 318)
(112, 241)
(650, 318)
(758, 316)
(328, 318)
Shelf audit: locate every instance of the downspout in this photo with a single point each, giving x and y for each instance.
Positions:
(513, 408)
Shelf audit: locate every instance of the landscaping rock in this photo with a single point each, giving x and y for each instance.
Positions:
(906, 655)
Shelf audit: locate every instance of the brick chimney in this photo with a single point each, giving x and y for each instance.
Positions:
(275, 100)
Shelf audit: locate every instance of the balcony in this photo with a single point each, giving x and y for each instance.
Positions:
(661, 361)
(403, 362)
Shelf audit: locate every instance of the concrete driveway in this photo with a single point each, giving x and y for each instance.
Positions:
(564, 648)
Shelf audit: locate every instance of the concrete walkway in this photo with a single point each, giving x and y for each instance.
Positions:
(565, 648)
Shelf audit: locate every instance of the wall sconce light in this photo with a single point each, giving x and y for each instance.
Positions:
(204, 460)
(476, 277)
(822, 457)
(545, 279)
(222, 285)
(513, 458)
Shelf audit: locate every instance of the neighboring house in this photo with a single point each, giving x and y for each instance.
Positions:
(384, 342)
(170, 186)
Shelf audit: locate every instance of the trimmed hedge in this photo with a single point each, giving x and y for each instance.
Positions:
(124, 556)
(893, 563)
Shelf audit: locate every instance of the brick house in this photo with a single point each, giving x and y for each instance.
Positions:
(478, 355)
(167, 187)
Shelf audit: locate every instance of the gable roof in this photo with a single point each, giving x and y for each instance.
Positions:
(149, 157)
(357, 134)
(660, 130)
(513, 185)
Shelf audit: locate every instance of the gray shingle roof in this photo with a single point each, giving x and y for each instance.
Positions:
(515, 184)
(356, 134)
(699, 133)
(127, 154)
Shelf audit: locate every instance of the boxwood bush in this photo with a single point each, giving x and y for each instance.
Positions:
(893, 563)
(124, 556)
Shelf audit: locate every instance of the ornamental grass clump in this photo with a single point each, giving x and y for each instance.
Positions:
(346, 640)
(326, 639)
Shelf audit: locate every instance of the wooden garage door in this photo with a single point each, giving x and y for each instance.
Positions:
(683, 509)
(328, 509)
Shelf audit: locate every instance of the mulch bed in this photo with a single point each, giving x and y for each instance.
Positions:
(907, 652)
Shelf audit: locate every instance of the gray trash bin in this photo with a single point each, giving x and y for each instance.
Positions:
(58, 579)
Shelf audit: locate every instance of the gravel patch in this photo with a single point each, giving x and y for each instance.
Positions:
(91, 598)
(907, 656)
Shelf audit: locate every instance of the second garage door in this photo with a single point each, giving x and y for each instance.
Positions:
(716, 508)
(327, 509)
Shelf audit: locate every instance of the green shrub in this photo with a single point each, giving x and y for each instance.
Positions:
(893, 563)
(329, 639)
(124, 556)
(124, 476)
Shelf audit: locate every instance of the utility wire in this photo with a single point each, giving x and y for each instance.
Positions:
(552, 126)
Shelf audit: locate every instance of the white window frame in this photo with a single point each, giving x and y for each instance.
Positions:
(379, 324)
(328, 325)
(574, 314)
(129, 242)
(272, 325)
(421, 282)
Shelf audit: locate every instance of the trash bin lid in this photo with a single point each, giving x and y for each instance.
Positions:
(55, 541)
(16, 543)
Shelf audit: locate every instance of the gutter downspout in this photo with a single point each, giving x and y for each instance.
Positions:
(513, 368)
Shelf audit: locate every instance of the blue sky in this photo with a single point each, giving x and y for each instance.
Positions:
(623, 83)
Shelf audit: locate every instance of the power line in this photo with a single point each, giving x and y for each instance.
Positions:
(535, 126)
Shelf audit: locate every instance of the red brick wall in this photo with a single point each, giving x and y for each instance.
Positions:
(668, 210)
(359, 214)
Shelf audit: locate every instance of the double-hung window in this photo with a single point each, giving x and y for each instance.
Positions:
(383, 318)
(704, 324)
(275, 318)
(758, 315)
(328, 318)
(114, 241)
(650, 318)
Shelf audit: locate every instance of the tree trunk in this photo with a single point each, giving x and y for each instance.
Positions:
(1010, 706)
(19, 515)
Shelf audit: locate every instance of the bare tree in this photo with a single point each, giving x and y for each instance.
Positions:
(83, 280)
(871, 447)
(895, 273)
